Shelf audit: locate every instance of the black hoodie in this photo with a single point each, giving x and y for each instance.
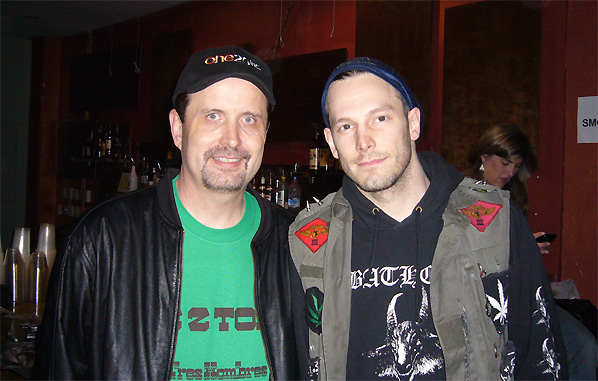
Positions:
(390, 266)
(392, 332)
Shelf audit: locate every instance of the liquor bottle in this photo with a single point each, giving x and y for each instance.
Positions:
(133, 179)
(108, 140)
(314, 150)
(278, 193)
(116, 144)
(144, 173)
(325, 158)
(319, 152)
(282, 191)
(294, 202)
(262, 188)
(159, 173)
(100, 143)
(269, 187)
(89, 144)
(152, 176)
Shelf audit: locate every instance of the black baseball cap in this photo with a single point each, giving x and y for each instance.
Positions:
(209, 66)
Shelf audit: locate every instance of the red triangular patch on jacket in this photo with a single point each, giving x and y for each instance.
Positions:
(314, 234)
(481, 214)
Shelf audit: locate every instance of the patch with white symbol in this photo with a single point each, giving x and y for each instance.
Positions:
(497, 301)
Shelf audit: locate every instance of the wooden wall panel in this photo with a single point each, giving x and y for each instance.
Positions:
(491, 72)
(169, 55)
(399, 33)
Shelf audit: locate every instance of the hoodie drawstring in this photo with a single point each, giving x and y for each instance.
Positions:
(376, 213)
(418, 295)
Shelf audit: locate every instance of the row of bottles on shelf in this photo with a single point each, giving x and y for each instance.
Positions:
(104, 140)
(291, 187)
(76, 200)
(149, 174)
(273, 186)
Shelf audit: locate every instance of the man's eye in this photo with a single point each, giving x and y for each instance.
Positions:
(212, 116)
(381, 118)
(344, 127)
(249, 120)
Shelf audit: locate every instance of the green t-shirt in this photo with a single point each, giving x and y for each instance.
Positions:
(219, 337)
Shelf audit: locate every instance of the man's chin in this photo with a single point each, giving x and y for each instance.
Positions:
(221, 185)
(224, 188)
(372, 185)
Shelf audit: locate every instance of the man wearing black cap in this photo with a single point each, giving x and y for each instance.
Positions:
(192, 278)
(411, 271)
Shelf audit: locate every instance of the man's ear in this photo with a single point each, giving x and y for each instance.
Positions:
(330, 141)
(176, 128)
(414, 118)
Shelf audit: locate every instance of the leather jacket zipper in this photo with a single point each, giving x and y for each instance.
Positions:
(177, 307)
(258, 313)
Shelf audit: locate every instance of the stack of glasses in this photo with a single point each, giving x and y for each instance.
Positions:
(26, 275)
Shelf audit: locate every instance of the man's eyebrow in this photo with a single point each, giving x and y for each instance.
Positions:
(381, 108)
(210, 110)
(369, 113)
(340, 120)
(254, 114)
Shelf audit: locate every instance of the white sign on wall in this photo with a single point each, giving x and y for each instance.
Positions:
(587, 120)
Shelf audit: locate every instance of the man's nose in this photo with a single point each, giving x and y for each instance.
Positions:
(364, 139)
(230, 136)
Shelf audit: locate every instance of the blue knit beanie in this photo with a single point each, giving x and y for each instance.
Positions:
(377, 68)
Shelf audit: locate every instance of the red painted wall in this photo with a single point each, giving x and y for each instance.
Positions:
(580, 210)
(546, 185)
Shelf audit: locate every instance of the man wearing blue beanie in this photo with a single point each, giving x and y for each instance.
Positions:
(410, 270)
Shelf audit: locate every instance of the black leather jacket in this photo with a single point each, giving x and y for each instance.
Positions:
(114, 293)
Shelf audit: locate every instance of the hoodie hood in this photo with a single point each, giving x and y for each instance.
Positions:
(443, 177)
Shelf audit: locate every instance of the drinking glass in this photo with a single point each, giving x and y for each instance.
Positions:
(37, 279)
(46, 243)
(22, 241)
(14, 275)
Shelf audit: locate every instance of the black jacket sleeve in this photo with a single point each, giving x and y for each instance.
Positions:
(62, 349)
(300, 322)
(533, 323)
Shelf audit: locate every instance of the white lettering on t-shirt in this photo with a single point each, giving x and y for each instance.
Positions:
(389, 276)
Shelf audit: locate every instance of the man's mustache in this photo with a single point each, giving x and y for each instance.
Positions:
(234, 153)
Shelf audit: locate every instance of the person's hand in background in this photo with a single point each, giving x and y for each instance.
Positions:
(543, 246)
